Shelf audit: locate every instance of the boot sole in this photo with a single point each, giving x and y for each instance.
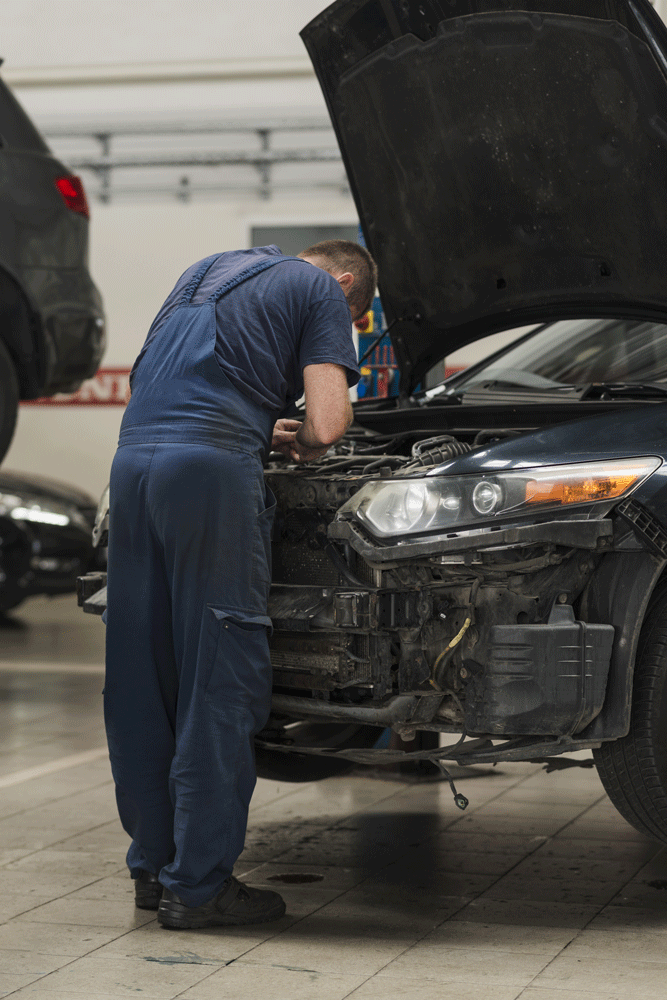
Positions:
(176, 917)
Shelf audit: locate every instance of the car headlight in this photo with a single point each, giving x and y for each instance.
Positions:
(440, 503)
(39, 510)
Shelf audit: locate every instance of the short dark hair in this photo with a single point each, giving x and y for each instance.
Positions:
(340, 256)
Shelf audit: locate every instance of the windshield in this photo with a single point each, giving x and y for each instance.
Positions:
(578, 351)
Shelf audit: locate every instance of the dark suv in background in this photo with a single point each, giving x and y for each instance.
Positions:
(52, 333)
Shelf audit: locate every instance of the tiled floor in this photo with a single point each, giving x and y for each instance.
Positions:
(539, 890)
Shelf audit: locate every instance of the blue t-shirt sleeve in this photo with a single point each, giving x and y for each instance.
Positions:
(327, 336)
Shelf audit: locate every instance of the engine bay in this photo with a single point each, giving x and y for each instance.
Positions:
(350, 631)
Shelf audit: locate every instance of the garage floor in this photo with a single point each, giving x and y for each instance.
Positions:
(540, 890)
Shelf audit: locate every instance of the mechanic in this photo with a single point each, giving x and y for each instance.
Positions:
(240, 338)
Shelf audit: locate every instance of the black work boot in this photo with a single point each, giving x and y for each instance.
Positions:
(147, 891)
(236, 904)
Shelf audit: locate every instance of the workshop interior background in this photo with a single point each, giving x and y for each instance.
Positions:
(198, 127)
(164, 110)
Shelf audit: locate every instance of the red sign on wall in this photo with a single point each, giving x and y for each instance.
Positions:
(109, 387)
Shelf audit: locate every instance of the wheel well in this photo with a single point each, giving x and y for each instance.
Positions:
(618, 594)
(20, 333)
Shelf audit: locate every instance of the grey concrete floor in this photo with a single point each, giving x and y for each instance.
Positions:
(540, 890)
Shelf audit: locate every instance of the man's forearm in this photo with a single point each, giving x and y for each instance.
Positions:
(308, 435)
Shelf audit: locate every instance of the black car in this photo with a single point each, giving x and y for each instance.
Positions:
(52, 333)
(45, 537)
(487, 558)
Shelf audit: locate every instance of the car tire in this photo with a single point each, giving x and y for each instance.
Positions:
(10, 603)
(278, 766)
(633, 769)
(9, 400)
(15, 552)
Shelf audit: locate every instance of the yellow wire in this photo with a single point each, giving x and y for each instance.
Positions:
(454, 642)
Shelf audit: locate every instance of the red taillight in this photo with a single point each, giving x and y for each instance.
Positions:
(73, 194)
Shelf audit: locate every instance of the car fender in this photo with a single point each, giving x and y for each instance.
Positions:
(618, 594)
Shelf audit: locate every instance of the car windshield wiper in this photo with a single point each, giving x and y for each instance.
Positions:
(516, 378)
(499, 380)
(509, 381)
(505, 382)
(630, 390)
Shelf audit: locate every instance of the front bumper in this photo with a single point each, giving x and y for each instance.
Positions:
(592, 535)
(525, 669)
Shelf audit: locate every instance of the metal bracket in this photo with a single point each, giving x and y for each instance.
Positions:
(387, 609)
(474, 751)
(91, 593)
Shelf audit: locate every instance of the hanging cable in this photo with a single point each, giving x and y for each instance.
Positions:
(399, 319)
(461, 801)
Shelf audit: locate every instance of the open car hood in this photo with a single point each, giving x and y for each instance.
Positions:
(508, 159)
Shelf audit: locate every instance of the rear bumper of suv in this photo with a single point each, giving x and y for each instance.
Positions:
(73, 340)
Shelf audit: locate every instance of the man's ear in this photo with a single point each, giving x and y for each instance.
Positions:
(345, 281)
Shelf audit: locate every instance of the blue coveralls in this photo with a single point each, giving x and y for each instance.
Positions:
(188, 681)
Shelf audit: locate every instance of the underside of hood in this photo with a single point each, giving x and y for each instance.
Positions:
(508, 160)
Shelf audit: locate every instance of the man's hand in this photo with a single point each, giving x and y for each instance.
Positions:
(284, 440)
(284, 435)
(328, 415)
(303, 453)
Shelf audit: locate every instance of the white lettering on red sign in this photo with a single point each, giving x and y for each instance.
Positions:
(109, 387)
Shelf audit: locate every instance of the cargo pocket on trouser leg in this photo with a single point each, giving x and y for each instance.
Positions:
(239, 673)
(213, 773)
(238, 696)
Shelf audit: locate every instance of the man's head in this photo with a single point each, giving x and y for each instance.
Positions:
(353, 268)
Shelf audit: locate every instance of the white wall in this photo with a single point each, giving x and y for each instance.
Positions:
(120, 57)
(44, 34)
(119, 60)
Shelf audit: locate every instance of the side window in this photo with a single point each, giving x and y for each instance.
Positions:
(293, 239)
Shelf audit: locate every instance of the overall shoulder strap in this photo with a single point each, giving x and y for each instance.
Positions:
(249, 272)
(195, 280)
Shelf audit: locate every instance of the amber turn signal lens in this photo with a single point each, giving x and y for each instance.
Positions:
(579, 490)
